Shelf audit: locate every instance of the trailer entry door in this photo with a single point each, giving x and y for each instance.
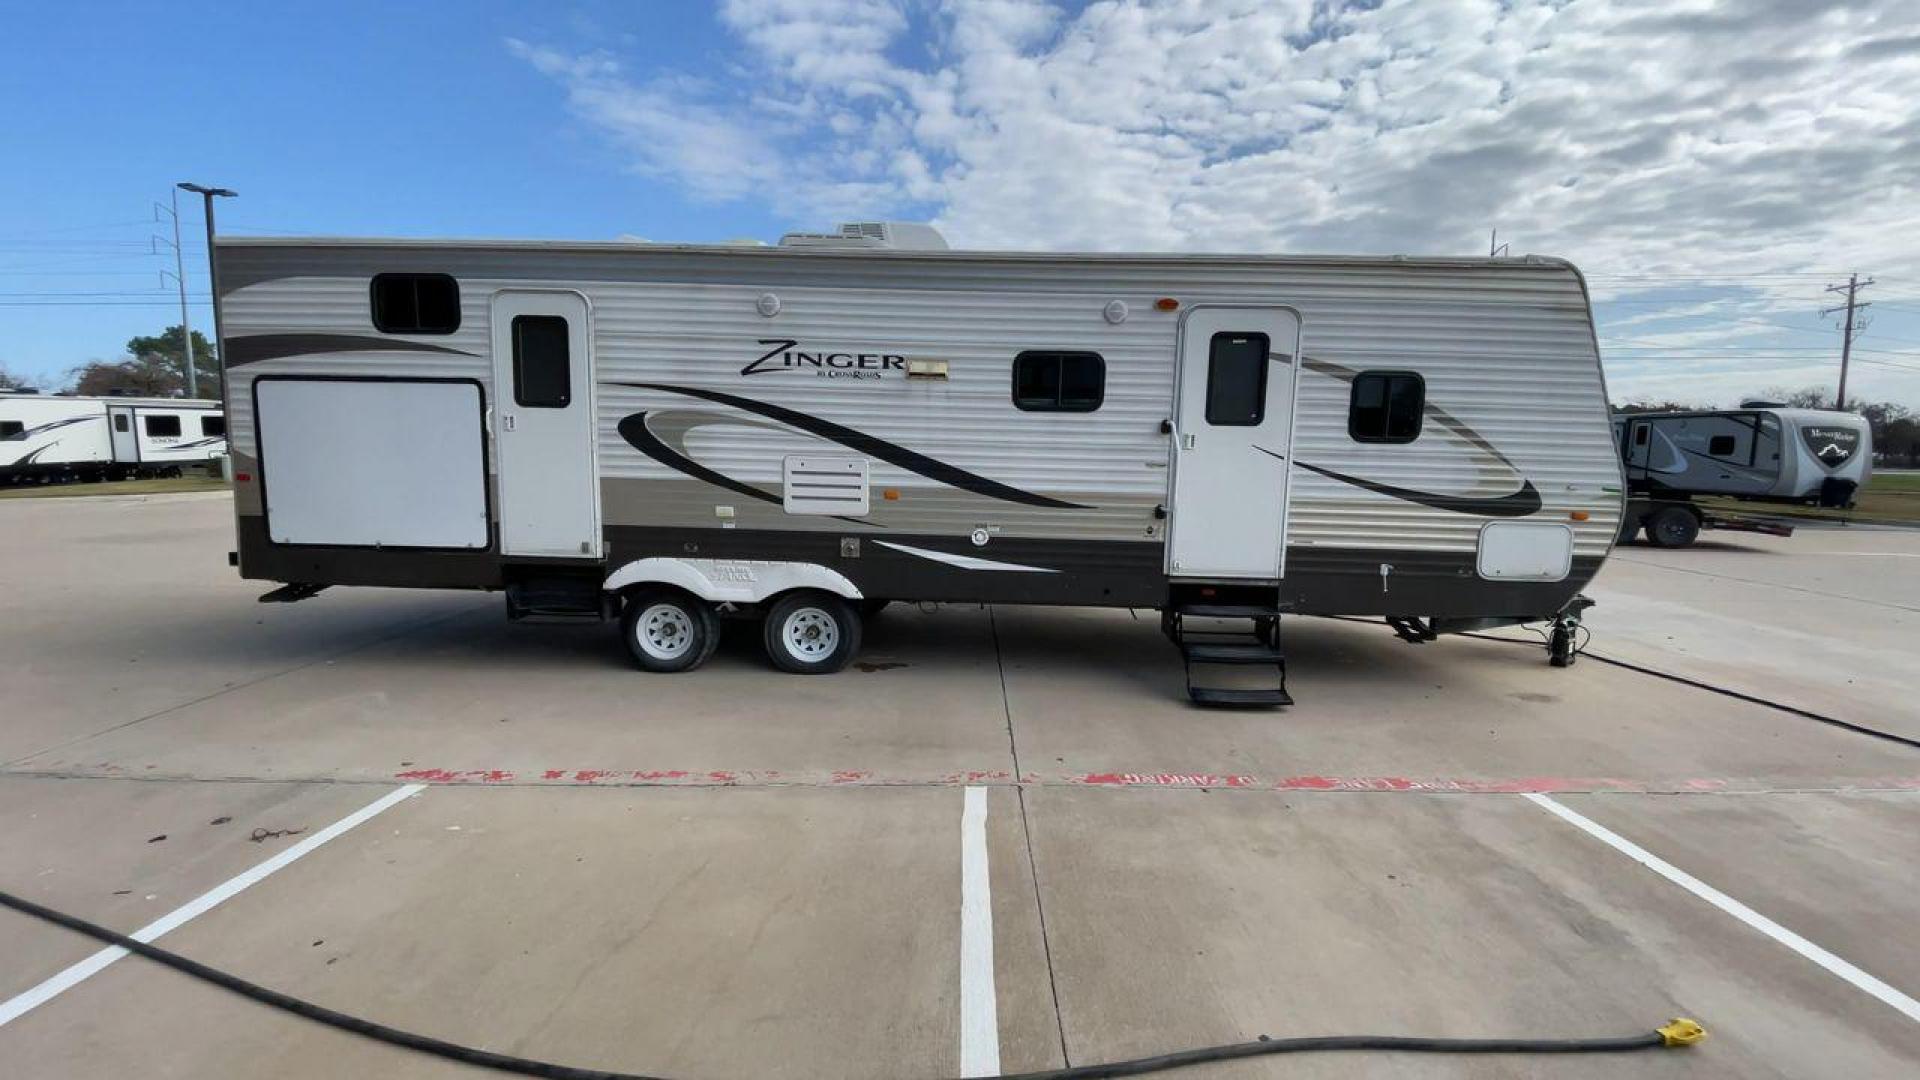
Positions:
(1233, 440)
(543, 425)
(126, 441)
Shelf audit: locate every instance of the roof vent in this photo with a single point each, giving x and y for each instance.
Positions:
(1762, 403)
(898, 235)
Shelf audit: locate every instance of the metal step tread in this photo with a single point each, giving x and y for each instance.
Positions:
(1207, 695)
(1232, 654)
(1226, 611)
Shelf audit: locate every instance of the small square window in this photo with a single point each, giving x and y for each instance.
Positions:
(213, 425)
(1386, 406)
(163, 427)
(541, 375)
(416, 304)
(1237, 380)
(1720, 446)
(10, 428)
(1059, 381)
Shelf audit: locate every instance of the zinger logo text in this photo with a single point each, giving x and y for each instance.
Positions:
(786, 355)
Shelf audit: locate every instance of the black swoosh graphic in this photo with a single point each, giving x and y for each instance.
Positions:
(1514, 504)
(634, 429)
(890, 453)
(257, 347)
(28, 433)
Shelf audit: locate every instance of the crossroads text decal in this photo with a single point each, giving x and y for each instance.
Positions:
(786, 355)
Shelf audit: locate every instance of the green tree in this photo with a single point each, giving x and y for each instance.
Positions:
(155, 366)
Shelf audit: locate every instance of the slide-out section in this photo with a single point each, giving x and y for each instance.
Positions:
(391, 463)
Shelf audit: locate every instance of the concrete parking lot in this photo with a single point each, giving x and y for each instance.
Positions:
(1002, 838)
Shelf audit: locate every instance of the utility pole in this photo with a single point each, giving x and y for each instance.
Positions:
(1852, 307)
(180, 279)
(1494, 246)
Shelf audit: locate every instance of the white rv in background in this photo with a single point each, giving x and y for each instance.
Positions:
(671, 434)
(1760, 452)
(46, 438)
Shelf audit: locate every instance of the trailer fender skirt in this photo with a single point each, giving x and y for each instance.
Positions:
(734, 581)
(1679, 1032)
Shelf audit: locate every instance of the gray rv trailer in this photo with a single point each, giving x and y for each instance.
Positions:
(811, 430)
(1759, 452)
(53, 437)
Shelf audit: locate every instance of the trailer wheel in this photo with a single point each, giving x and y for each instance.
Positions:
(1629, 528)
(1673, 527)
(667, 630)
(811, 633)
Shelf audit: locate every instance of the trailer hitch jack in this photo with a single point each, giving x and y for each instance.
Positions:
(1561, 648)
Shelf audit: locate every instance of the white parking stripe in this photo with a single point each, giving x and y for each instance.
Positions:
(1907, 1006)
(979, 1013)
(53, 987)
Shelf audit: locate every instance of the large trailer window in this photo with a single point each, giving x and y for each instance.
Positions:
(1386, 406)
(1059, 381)
(1237, 380)
(416, 304)
(213, 425)
(541, 379)
(163, 427)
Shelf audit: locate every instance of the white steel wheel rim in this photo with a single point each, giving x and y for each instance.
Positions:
(664, 631)
(810, 634)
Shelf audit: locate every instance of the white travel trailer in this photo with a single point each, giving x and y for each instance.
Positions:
(52, 438)
(1758, 452)
(808, 431)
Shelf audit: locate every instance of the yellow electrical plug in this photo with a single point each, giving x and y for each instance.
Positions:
(1681, 1031)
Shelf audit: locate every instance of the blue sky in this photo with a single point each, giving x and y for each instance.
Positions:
(1749, 155)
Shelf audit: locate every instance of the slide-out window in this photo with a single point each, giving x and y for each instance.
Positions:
(1059, 381)
(213, 425)
(1386, 406)
(1721, 446)
(541, 376)
(1237, 380)
(416, 304)
(163, 427)
(10, 428)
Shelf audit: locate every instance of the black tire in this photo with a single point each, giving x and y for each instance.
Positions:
(667, 630)
(1672, 527)
(1629, 528)
(811, 633)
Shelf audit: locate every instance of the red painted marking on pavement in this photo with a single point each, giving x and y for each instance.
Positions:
(1310, 782)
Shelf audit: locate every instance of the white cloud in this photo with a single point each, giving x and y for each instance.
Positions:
(1638, 138)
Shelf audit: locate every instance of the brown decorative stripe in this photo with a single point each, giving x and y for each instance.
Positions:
(257, 347)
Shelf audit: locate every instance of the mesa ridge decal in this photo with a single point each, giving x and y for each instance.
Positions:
(1834, 446)
(786, 355)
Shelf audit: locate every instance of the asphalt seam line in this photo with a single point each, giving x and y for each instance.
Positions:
(1835, 965)
(27, 1000)
(979, 1008)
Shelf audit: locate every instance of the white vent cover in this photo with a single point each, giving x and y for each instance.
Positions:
(825, 485)
(900, 235)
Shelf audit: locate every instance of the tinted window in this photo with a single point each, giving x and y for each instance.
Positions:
(119, 421)
(541, 379)
(1059, 381)
(163, 427)
(1237, 380)
(10, 428)
(213, 425)
(416, 304)
(1720, 446)
(1640, 435)
(1386, 406)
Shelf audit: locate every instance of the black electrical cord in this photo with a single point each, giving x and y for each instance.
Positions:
(1678, 1033)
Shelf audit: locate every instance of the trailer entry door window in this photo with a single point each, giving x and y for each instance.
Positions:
(1237, 380)
(1386, 406)
(119, 421)
(1059, 381)
(541, 379)
(213, 425)
(163, 427)
(416, 304)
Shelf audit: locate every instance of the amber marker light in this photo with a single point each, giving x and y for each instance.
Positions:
(1167, 303)
(891, 494)
(1577, 515)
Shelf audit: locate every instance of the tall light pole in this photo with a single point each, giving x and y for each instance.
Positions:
(213, 279)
